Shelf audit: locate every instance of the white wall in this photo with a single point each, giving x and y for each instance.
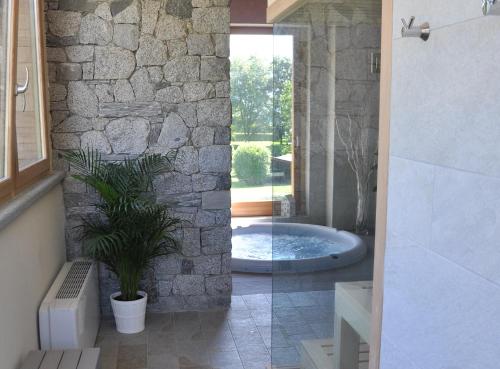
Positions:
(442, 271)
(31, 253)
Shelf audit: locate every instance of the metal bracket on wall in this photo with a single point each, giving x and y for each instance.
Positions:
(491, 7)
(410, 30)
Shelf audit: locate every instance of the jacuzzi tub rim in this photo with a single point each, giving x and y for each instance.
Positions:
(355, 254)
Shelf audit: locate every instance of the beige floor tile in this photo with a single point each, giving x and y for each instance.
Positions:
(132, 357)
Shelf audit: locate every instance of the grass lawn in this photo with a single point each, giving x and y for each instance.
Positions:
(243, 193)
(263, 144)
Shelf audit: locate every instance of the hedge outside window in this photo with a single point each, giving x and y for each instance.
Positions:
(24, 149)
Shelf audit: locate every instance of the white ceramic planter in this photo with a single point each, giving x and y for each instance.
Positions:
(130, 316)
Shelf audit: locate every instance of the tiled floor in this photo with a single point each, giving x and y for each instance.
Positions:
(234, 339)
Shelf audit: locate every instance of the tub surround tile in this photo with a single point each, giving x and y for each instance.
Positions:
(450, 123)
(438, 339)
(465, 226)
(411, 187)
(392, 358)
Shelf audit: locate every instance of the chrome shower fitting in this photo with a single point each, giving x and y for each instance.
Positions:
(409, 30)
(491, 7)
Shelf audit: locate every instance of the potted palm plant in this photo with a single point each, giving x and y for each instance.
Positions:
(129, 229)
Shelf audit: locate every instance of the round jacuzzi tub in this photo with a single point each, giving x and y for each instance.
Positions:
(293, 247)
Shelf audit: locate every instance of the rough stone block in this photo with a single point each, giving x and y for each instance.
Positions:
(58, 117)
(128, 135)
(165, 286)
(204, 182)
(180, 201)
(216, 240)
(174, 133)
(80, 53)
(196, 91)
(166, 266)
(177, 47)
(82, 100)
(211, 20)
(214, 112)
(191, 243)
(182, 69)
(179, 8)
(214, 69)
(222, 45)
(65, 141)
(200, 44)
(207, 265)
(74, 123)
(88, 71)
(77, 5)
(205, 219)
(123, 91)
(215, 159)
(113, 63)
(151, 51)
(224, 181)
(63, 23)
(134, 109)
(130, 14)
(214, 200)
(188, 114)
(95, 140)
(226, 263)
(55, 54)
(222, 136)
(103, 11)
(173, 183)
(203, 136)
(95, 30)
(104, 93)
(223, 89)
(171, 95)
(201, 3)
(150, 9)
(57, 92)
(219, 285)
(143, 88)
(189, 285)
(187, 266)
(186, 161)
(126, 36)
(170, 28)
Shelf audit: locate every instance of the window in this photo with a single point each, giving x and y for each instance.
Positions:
(261, 94)
(24, 153)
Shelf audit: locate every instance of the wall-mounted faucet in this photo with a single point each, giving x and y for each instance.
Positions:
(491, 7)
(409, 30)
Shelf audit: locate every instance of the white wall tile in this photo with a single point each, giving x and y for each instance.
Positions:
(466, 224)
(392, 358)
(445, 104)
(410, 203)
(438, 314)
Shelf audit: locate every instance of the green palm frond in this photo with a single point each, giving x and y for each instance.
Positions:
(129, 229)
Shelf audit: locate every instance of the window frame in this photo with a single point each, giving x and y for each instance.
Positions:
(16, 180)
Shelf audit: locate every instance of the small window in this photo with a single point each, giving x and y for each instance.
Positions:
(261, 95)
(23, 111)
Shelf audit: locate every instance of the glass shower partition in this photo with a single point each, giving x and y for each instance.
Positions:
(325, 131)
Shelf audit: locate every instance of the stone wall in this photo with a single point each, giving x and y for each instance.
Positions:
(333, 80)
(128, 78)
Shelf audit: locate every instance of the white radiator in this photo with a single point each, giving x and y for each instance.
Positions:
(69, 315)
